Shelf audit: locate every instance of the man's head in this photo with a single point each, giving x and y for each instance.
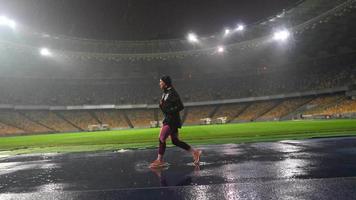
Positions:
(165, 82)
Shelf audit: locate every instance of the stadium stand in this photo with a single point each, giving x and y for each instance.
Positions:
(342, 107)
(195, 114)
(140, 118)
(230, 111)
(284, 108)
(319, 104)
(254, 110)
(321, 56)
(49, 120)
(17, 120)
(81, 92)
(113, 118)
(6, 130)
(80, 119)
(32, 121)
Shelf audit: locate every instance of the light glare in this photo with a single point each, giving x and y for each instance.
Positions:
(281, 35)
(240, 27)
(192, 37)
(221, 49)
(45, 52)
(4, 21)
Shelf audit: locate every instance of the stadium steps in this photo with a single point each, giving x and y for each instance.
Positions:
(127, 119)
(304, 108)
(94, 116)
(14, 126)
(69, 122)
(299, 109)
(338, 101)
(331, 104)
(279, 102)
(37, 122)
(214, 111)
(155, 114)
(239, 113)
(185, 114)
(120, 117)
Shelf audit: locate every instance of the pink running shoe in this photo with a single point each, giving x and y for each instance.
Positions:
(158, 164)
(196, 156)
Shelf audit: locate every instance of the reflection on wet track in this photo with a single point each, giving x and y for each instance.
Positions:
(319, 168)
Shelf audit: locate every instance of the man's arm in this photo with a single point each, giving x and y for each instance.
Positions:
(172, 104)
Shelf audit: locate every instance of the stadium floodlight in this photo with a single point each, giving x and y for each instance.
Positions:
(281, 35)
(240, 27)
(192, 38)
(221, 49)
(4, 21)
(227, 31)
(45, 52)
(282, 14)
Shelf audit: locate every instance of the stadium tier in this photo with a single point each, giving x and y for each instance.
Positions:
(255, 109)
(342, 106)
(140, 117)
(283, 108)
(113, 118)
(61, 92)
(40, 121)
(193, 115)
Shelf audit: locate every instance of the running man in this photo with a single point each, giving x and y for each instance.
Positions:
(171, 105)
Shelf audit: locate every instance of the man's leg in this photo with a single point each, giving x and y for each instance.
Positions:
(163, 135)
(176, 141)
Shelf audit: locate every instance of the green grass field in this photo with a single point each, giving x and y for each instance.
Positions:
(195, 135)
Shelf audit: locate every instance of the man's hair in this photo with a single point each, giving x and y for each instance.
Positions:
(167, 80)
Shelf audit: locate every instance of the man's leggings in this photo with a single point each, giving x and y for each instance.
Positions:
(173, 132)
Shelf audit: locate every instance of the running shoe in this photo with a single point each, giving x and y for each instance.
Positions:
(196, 156)
(158, 164)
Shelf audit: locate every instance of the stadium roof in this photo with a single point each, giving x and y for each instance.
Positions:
(299, 18)
(137, 20)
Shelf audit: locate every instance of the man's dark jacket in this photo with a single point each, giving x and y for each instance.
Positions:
(171, 105)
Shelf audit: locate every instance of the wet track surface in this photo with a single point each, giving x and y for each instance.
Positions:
(308, 169)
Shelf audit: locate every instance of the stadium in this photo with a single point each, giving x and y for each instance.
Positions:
(280, 80)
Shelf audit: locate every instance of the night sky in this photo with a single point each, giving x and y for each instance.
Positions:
(138, 19)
